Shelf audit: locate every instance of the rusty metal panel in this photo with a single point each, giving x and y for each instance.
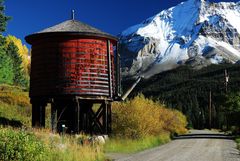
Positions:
(72, 67)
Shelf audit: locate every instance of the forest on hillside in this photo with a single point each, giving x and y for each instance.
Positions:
(199, 94)
(14, 56)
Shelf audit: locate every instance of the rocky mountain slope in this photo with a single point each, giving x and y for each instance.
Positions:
(195, 32)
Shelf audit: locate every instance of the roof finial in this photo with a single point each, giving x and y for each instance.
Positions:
(73, 14)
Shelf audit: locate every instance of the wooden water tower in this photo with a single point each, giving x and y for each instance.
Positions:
(74, 67)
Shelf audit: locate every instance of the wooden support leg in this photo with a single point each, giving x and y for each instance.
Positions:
(90, 129)
(85, 117)
(109, 116)
(82, 117)
(42, 115)
(38, 114)
(77, 121)
(35, 115)
(105, 118)
(54, 117)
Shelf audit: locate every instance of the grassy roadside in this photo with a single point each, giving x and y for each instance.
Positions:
(141, 123)
(138, 124)
(238, 142)
(118, 145)
(42, 145)
(18, 141)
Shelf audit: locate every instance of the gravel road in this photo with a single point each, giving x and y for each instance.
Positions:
(197, 146)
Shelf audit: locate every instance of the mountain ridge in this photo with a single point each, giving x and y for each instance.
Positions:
(195, 32)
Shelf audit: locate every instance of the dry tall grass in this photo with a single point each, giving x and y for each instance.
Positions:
(69, 147)
(42, 145)
(15, 98)
(15, 107)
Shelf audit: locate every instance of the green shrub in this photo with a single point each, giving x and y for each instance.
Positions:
(19, 145)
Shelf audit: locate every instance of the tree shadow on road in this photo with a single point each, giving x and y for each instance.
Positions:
(204, 136)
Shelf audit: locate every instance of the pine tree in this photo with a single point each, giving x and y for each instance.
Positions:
(12, 52)
(22, 51)
(3, 17)
(6, 64)
(232, 103)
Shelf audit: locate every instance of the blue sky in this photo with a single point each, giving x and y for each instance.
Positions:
(29, 16)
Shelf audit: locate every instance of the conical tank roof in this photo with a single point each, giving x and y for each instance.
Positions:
(73, 26)
(69, 27)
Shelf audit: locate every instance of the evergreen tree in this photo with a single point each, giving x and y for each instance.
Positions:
(232, 104)
(3, 17)
(6, 70)
(22, 51)
(11, 71)
(188, 90)
(18, 78)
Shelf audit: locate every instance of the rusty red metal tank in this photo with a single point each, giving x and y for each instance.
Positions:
(72, 58)
(74, 67)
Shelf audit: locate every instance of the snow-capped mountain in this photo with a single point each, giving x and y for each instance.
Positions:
(195, 32)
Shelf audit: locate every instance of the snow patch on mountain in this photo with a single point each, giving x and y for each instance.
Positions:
(196, 32)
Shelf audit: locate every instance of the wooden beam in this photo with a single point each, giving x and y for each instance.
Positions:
(54, 117)
(109, 116)
(77, 116)
(35, 115)
(38, 113)
(96, 120)
(109, 68)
